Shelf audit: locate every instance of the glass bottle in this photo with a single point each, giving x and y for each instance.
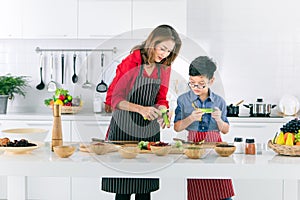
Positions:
(250, 146)
(238, 143)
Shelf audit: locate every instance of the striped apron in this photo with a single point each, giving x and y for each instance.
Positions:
(208, 189)
(131, 126)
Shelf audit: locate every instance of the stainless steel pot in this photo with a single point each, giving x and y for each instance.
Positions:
(260, 109)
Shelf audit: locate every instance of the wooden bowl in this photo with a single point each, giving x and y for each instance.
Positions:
(195, 152)
(161, 150)
(128, 152)
(100, 148)
(225, 150)
(64, 151)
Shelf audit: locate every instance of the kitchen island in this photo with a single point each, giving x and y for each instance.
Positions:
(79, 175)
(43, 162)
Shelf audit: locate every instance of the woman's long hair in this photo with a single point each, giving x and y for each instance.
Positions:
(159, 34)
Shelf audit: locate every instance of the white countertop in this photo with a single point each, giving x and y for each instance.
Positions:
(43, 162)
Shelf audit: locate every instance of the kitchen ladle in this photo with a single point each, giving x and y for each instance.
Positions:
(74, 77)
(102, 86)
(41, 85)
(51, 85)
(238, 103)
(62, 68)
(87, 84)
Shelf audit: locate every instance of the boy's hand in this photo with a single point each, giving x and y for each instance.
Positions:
(216, 114)
(196, 115)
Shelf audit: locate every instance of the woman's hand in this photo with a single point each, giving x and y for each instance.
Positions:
(196, 115)
(150, 113)
(217, 114)
(162, 123)
(108, 108)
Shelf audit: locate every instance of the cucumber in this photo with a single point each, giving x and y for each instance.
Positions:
(165, 116)
(207, 110)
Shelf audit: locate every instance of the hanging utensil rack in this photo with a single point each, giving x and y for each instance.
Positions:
(38, 50)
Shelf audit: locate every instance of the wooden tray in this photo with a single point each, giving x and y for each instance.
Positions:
(86, 148)
(284, 149)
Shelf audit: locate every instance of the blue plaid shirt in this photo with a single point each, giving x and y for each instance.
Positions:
(184, 109)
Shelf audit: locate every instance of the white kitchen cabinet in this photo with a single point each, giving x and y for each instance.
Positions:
(83, 131)
(49, 188)
(258, 189)
(50, 19)
(11, 19)
(83, 187)
(103, 18)
(149, 14)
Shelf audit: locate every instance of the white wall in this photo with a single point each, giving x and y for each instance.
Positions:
(256, 45)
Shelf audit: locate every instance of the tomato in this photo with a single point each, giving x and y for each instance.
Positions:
(62, 97)
(149, 145)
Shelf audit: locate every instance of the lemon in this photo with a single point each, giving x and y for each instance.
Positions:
(60, 102)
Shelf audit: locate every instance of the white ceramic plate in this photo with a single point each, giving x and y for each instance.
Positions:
(30, 134)
(289, 105)
(25, 130)
(20, 150)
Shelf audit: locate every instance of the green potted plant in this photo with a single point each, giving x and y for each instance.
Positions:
(9, 87)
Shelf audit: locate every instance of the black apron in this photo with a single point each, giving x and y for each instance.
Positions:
(131, 126)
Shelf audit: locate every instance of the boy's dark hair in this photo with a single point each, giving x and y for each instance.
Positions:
(202, 65)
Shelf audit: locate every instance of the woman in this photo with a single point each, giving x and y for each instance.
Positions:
(203, 125)
(137, 94)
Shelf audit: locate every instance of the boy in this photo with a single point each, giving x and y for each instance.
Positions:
(203, 114)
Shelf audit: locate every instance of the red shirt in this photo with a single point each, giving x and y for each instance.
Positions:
(126, 73)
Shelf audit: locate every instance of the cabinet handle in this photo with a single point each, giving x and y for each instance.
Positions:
(39, 124)
(248, 126)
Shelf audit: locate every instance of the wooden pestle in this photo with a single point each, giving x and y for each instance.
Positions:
(57, 127)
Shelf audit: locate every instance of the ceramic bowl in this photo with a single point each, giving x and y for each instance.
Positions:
(225, 150)
(64, 151)
(195, 152)
(128, 152)
(161, 150)
(100, 148)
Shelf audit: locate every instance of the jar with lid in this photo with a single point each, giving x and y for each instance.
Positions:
(250, 146)
(238, 142)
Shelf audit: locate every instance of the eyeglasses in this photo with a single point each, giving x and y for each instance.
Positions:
(199, 86)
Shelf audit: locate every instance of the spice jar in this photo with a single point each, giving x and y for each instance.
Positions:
(238, 142)
(250, 147)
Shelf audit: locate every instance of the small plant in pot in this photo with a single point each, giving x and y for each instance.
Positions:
(9, 87)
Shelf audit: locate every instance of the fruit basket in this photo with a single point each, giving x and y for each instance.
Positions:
(69, 109)
(62, 97)
(284, 149)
